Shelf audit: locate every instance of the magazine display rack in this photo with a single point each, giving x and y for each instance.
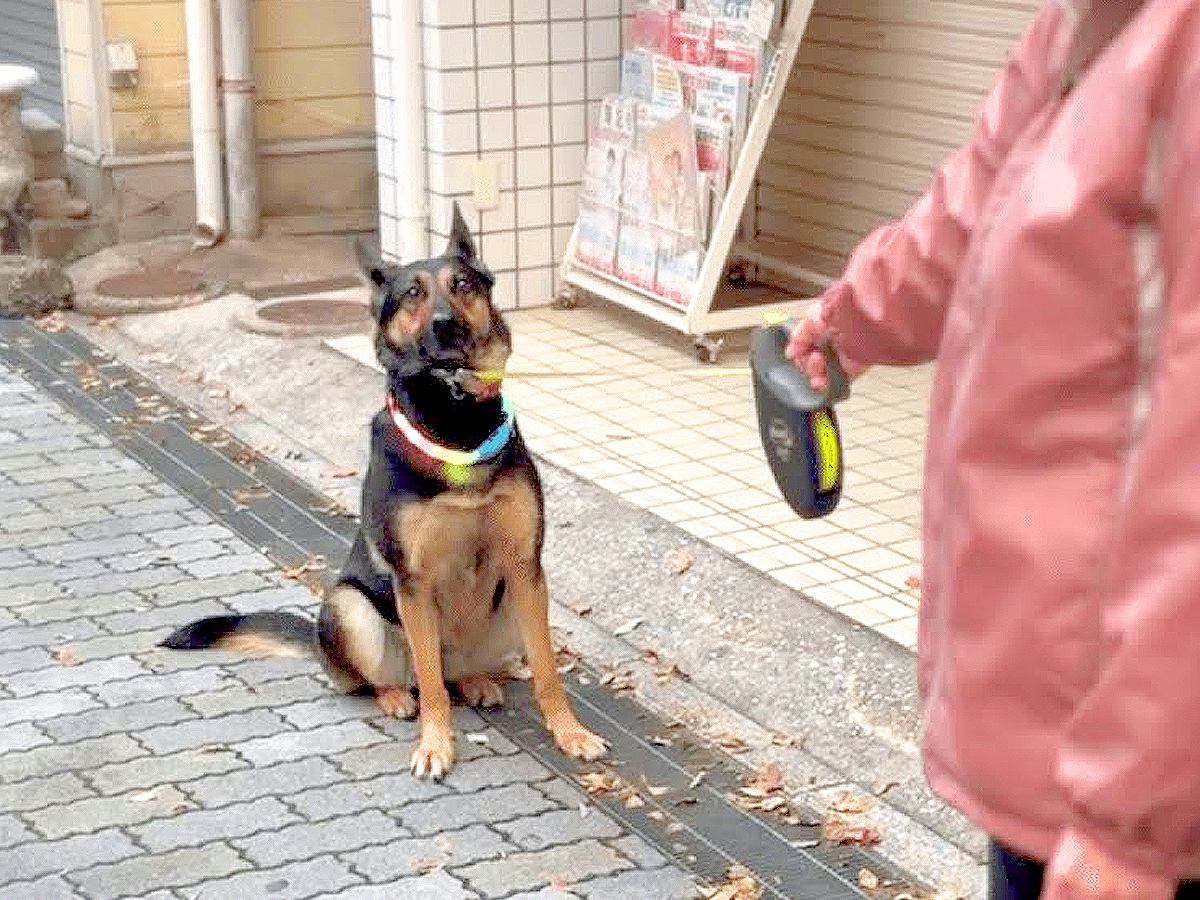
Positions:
(619, 248)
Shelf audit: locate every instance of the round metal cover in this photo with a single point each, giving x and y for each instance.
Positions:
(150, 283)
(314, 312)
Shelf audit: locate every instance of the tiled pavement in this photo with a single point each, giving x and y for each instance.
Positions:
(619, 401)
(127, 771)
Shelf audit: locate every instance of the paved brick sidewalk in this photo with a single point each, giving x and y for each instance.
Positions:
(127, 771)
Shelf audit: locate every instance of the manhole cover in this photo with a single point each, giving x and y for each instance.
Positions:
(314, 313)
(150, 283)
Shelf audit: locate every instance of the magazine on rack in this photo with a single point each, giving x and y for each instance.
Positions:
(692, 39)
(637, 74)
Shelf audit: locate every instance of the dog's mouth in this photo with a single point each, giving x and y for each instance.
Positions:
(482, 384)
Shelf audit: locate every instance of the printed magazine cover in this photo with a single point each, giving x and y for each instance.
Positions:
(637, 79)
(671, 148)
(596, 245)
(692, 39)
(636, 241)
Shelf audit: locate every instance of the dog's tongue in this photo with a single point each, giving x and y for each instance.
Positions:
(489, 391)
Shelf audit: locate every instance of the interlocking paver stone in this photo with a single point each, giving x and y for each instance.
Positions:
(129, 770)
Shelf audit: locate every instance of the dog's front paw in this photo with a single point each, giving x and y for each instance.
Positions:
(580, 743)
(396, 701)
(480, 690)
(434, 755)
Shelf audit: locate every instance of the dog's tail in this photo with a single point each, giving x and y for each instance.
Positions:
(256, 634)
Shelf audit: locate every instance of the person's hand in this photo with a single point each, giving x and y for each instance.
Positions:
(1082, 870)
(804, 349)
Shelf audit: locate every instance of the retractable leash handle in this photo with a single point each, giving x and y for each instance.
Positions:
(796, 422)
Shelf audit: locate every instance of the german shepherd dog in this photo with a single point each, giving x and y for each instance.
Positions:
(444, 583)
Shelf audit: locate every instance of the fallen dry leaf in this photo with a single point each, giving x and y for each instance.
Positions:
(666, 673)
(250, 492)
(477, 737)
(739, 885)
(340, 472)
(89, 378)
(65, 656)
(768, 779)
(599, 782)
(695, 782)
(626, 628)
(657, 815)
(681, 561)
(849, 803)
(732, 743)
(559, 883)
(867, 880)
(105, 322)
(839, 831)
(661, 741)
(53, 323)
(657, 790)
(784, 740)
(913, 582)
(618, 681)
(583, 609)
(634, 801)
(312, 564)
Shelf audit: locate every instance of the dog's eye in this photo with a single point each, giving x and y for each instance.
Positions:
(462, 284)
(413, 291)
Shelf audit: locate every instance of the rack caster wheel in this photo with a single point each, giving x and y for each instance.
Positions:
(708, 350)
(738, 275)
(566, 298)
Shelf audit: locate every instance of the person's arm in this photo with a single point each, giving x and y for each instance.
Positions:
(889, 305)
(1130, 761)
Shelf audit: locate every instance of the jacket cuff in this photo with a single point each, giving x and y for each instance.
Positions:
(1131, 846)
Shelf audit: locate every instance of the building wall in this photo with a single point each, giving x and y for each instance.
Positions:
(29, 37)
(881, 92)
(315, 114)
(509, 81)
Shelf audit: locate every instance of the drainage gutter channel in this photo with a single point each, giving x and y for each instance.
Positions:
(291, 523)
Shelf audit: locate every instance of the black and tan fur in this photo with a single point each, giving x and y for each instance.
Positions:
(444, 584)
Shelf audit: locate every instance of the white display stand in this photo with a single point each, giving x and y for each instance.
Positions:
(698, 318)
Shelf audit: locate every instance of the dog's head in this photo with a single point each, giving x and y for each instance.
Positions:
(435, 318)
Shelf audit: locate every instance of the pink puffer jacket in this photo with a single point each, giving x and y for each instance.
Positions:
(1053, 269)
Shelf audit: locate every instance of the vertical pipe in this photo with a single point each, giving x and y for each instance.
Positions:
(237, 82)
(408, 89)
(206, 122)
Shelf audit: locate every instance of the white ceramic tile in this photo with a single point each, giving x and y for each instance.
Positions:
(385, 156)
(504, 291)
(382, 75)
(568, 163)
(533, 167)
(534, 247)
(562, 236)
(494, 45)
(533, 208)
(531, 43)
(447, 12)
(597, 8)
(530, 10)
(389, 238)
(387, 197)
(604, 77)
(569, 121)
(567, 82)
(448, 174)
(566, 9)
(450, 132)
(533, 126)
(495, 87)
(532, 85)
(381, 35)
(535, 286)
(490, 11)
(449, 91)
(503, 216)
(449, 48)
(566, 41)
(499, 250)
(495, 129)
(566, 204)
(383, 116)
(603, 38)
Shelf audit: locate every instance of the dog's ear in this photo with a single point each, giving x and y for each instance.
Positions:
(369, 262)
(461, 245)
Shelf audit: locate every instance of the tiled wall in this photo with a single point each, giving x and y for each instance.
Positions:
(511, 81)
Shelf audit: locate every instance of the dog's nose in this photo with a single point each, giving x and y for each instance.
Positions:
(442, 311)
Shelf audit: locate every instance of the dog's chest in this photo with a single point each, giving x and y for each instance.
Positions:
(460, 545)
